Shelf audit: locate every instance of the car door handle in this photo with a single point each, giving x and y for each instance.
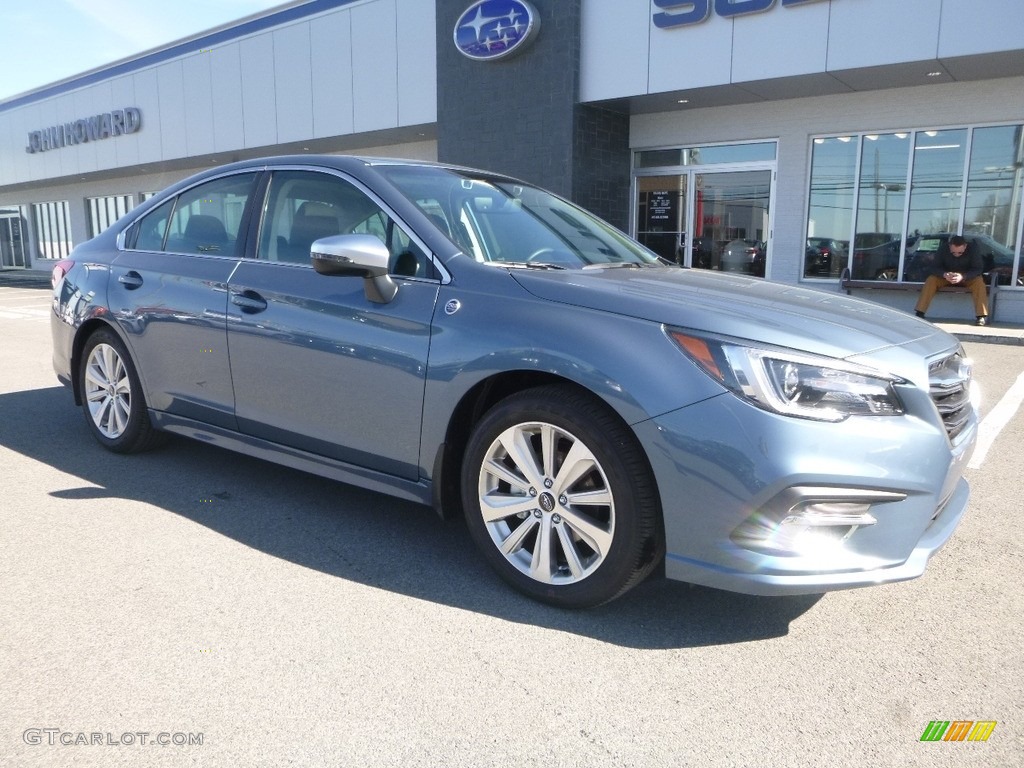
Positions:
(250, 302)
(130, 280)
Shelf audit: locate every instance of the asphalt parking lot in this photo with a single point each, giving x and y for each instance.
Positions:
(195, 607)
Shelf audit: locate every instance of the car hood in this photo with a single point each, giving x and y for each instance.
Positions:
(814, 321)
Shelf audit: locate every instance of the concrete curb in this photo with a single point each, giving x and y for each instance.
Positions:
(29, 278)
(988, 334)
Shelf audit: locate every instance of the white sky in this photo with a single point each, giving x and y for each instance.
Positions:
(49, 40)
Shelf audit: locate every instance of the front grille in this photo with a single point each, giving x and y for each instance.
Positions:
(949, 384)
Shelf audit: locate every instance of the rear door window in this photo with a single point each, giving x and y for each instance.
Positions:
(205, 219)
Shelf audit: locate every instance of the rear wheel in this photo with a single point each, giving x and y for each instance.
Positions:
(560, 499)
(112, 399)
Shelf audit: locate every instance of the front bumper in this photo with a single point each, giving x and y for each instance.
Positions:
(732, 477)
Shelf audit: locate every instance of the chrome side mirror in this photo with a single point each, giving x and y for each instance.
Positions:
(362, 256)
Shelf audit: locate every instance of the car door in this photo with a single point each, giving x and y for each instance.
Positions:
(168, 294)
(316, 365)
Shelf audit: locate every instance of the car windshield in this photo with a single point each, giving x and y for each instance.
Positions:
(495, 220)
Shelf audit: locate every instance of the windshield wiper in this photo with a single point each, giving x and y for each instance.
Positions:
(621, 265)
(524, 264)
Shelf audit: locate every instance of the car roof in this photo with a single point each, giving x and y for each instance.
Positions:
(352, 163)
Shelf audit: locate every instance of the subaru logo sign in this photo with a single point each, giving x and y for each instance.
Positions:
(495, 29)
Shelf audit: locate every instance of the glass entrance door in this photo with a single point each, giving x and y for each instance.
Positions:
(715, 220)
(12, 243)
(662, 215)
(731, 220)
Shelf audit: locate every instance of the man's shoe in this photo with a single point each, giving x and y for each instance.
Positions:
(919, 313)
(982, 320)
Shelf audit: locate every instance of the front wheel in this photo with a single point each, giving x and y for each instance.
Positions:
(560, 499)
(112, 399)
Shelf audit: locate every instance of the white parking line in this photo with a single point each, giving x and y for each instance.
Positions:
(28, 313)
(996, 419)
(23, 295)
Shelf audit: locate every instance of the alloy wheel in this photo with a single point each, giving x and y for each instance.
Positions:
(546, 503)
(108, 391)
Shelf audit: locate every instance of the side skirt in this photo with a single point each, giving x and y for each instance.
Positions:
(420, 492)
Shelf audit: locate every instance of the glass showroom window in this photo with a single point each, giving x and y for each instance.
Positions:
(833, 170)
(992, 208)
(53, 229)
(104, 211)
(937, 180)
(908, 192)
(880, 206)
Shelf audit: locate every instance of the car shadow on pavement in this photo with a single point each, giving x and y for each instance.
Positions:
(363, 536)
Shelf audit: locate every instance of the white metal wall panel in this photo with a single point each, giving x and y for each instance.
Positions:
(417, 62)
(692, 57)
(280, 84)
(980, 26)
(69, 161)
(85, 104)
(226, 76)
(147, 99)
(126, 147)
(869, 34)
(198, 82)
(812, 38)
(375, 56)
(259, 113)
(781, 43)
(10, 143)
(170, 82)
(106, 151)
(331, 64)
(616, 37)
(293, 80)
(49, 162)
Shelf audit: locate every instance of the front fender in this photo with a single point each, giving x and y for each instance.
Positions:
(629, 363)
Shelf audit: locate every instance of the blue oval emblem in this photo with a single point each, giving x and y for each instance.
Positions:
(494, 29)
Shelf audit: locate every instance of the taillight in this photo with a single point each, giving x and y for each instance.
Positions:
(60, 269)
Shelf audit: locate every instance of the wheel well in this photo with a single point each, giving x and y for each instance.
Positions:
(474, 404)
(88, 329)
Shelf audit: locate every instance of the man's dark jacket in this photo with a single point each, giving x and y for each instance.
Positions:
(970, 265)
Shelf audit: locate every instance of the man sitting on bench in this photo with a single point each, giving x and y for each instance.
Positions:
(956, 264)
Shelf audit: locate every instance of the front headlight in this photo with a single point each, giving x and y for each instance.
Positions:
(793, 383)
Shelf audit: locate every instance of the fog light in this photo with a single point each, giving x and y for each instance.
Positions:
(802, 521)
(822, 525)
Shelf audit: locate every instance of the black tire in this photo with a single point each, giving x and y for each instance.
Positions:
(597, 519)
(112, 399)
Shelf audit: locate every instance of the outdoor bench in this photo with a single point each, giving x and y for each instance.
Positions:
(847, 283)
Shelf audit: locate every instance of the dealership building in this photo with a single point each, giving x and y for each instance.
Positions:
(801, 137)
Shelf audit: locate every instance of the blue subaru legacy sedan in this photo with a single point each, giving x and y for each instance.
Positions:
(471, 342)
